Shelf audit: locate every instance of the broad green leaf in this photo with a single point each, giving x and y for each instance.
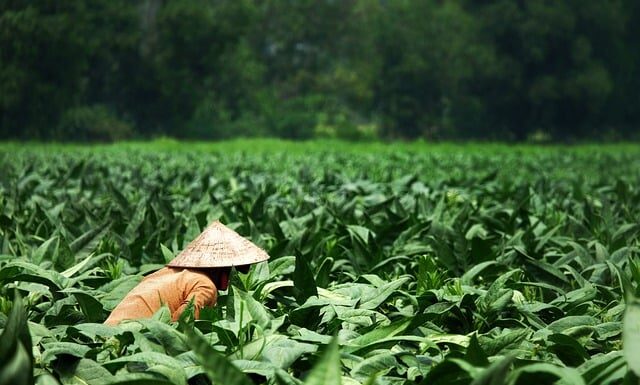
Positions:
(90, 306)
(54, 349)
(631, 336)
(171, 339)
(328, 370)
(566, 323)
(495, 373)
(25, 271)
(163, 364)
(302, 334)
(282, 266)
(360, 232)
(82, 372)
(568, 349)
(378, 364)
(509, 339)
(540, 372)
(496, 290)
(89, 261)
(166, 253)
(451, 371)
(217, 367)
(303, 280)
(16, 366)
(374, 299)
(46, 251)
(82, 246)
(468, 277)
(265, 369)
(254, 310)
(277, 349)
(607, 368)
(475, 355)
(138, 379)
(476, 231)
(46, 379)
(377, 334)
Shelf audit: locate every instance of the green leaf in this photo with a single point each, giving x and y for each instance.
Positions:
(16, 369)
(450, 371)
(90, 260)
(282, 266)
(468, 277)
(82, 246)
(217, 367)
(566, 323)
(265, 369)
(46, 379)
(160, 363)
(544, 373)
(82, 372)
(475, 355)
(254, 309)
(53, 349)
(375, 365)
(303, 280)
(476, 231)
(171, 340)
(166, 253)
(509, 339)
(496, 290)
(46, 250)
(277, 349)
(16, 361)
(631, 336)
(604, 369)
(136, 379)
(328, 370)
(90, 306)
(377, 297)
(360, 232)
(568, 349)
(377, 334)
(28, 272)
(495, 373)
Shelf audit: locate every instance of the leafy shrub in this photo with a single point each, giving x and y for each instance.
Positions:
(294, 118)
(94, 123)
(342, 126)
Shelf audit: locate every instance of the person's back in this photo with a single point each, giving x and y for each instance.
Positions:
(199, 271)
(173, 287)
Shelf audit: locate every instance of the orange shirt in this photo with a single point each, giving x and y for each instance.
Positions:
(173, 287)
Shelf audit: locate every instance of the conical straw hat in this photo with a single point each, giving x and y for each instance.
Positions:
(219, 246)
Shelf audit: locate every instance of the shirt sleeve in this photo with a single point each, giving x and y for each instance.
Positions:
(203, 292)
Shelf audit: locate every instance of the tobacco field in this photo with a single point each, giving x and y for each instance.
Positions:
(399, 265)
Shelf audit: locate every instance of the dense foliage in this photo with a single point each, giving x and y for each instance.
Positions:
(429, 265)
(499, 69)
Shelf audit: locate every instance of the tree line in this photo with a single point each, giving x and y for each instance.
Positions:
(213, 69)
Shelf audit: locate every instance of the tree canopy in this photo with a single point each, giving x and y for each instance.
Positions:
(213, 69)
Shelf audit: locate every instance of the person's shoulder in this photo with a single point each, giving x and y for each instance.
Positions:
(200, 280)
(199, 275)
(158, 273)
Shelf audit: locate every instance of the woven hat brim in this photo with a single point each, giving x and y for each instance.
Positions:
(219, 246)
(203, 260)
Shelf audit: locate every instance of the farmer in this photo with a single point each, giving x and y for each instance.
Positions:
(197, 273)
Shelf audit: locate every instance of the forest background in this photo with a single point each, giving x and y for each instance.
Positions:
(515, 70)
